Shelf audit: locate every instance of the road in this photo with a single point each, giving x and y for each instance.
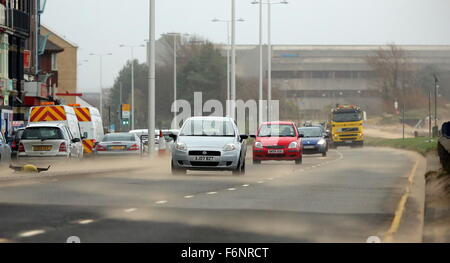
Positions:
(346, 197)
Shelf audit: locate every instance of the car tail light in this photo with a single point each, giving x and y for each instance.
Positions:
(21, 148)
(100, 148)
(134, 147)
(14, 145)
(63, 147)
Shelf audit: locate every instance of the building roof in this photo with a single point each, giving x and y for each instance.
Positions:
(63, 38)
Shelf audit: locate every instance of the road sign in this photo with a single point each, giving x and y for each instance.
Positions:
(126, 111)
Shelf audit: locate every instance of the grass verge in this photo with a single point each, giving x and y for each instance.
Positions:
(420, 145)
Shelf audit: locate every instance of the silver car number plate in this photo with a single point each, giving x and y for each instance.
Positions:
(309, 147)
(276, 151)
(204, 158)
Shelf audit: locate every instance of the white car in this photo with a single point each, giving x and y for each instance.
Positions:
(49, 141)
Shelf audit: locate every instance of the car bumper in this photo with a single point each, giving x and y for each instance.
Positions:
(128, 153)
(290, 155)
(227, 160)
(317, 149)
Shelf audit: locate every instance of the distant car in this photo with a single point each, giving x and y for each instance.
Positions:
(114, 144)
(5, 150)
(279, 141)
(314, 140)
(49, 141)
(15, 140)
(209, 143)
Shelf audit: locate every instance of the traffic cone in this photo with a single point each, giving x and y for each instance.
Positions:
(162, 144)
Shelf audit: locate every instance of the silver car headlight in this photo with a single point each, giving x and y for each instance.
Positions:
(258, 145)
(321, 142)
(180, 146)
(229, 147)
(293, 145)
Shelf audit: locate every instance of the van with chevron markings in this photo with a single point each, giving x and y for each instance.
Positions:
(91, 126)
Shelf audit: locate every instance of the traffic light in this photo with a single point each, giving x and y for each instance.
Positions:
(125, 122)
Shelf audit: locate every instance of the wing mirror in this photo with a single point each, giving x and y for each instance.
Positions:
(243, 137)
(301, 135)
(75, 140)
(253, 136)
(173, 136)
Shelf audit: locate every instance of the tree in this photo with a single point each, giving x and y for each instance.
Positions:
(394, 75)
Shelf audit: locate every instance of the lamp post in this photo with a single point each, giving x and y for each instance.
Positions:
(228, 22)
(132, 47)
(269, 4)
(100, 57)
(151, 79)
(175, 36)
(436, 87)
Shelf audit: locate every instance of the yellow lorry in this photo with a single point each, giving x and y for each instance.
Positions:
(346, 126)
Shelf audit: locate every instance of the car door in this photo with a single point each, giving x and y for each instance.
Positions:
(72, 146)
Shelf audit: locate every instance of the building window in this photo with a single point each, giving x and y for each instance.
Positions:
(54, 62)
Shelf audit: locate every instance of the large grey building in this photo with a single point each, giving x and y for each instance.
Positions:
(321, 76)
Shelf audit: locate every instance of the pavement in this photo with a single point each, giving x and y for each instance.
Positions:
(349, 196)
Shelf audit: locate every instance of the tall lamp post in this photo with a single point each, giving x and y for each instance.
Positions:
(228, 22)
(174, 36)
(100, 57)
(269, 4)
(151, 79)
(436, 87)
(132, 47)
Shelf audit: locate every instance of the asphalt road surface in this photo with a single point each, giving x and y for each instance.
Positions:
(346, 197)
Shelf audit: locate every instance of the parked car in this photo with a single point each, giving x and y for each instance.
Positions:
(116, 144)
(48, 140)
(209, 143)
(5, 150)
(14, 142)
(314, 140)
(279, 141)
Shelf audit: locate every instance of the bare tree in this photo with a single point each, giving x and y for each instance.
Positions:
(394, 75)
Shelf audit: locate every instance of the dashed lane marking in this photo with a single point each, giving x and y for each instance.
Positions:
(32, 233)
(245, 185)
(212, 193)
(188, 196)
(231, 189)
(85, 221)
(161, 202)
(130, 210)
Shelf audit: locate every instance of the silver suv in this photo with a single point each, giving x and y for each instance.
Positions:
(209, 143)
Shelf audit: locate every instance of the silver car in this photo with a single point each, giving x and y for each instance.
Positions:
(49, 141)
(5, 150)
(209, 143)
(115, 144)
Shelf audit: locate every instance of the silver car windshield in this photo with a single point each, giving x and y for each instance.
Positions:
(215, 128)
(119, 138)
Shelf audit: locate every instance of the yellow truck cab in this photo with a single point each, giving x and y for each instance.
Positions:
(346, 126)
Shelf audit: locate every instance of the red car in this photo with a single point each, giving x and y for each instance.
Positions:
(278, 141)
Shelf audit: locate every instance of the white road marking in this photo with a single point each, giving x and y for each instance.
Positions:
(270, 179)
(261, 182)
(245, 185)
(32, 233)
(231, 189)
(212, 193)
(161, 202)
(130, 210)
(4, 240)
(85, 222)
(189, 196)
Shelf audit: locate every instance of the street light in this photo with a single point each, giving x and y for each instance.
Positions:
(269, 4)
(151, 79)
(174, 36)
(228, 22)
(436, 87)
(100, 56)
(132, 47)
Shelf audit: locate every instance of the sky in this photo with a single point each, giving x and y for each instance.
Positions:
(101, 26)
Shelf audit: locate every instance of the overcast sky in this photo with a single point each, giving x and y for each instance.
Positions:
(100, 26)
